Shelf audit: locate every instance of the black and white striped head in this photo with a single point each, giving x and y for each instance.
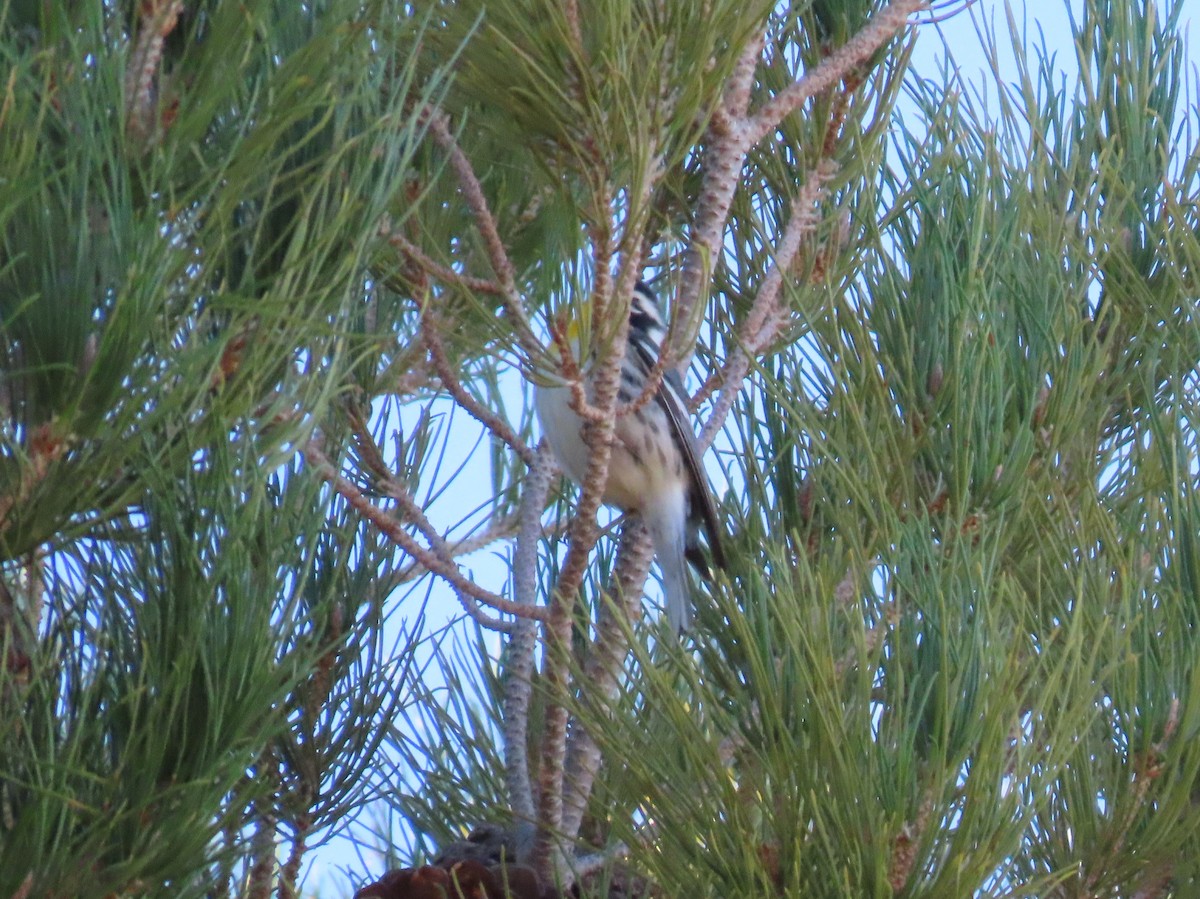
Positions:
(644, 314)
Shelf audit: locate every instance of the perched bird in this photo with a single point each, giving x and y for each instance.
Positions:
(654, 470)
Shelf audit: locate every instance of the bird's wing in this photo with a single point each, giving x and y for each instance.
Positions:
(672, 398)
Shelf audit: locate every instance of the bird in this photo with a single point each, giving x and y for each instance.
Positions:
(654, 470)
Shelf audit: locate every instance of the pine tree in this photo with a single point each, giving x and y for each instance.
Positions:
(190, 204)
(266, 264)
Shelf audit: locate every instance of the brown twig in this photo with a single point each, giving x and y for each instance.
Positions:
(499, 529)
(418, 258)
(570, 373)
(711, 382)
(290, 873)
(498, 427)
(472, 192)
(437, 559)
(469, 593)
(734, 131)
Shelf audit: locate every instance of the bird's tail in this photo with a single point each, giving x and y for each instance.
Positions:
(669, 532)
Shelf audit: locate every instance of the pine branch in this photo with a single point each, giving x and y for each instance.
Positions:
(582, 535)
(726, 151)
(430, 268)
(619, 609)
(156, 20)
(735, 130)
(768, 315)
(833, 69)
(522, 642)
(497, 530)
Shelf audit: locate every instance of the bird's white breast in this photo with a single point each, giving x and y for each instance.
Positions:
(644, 467)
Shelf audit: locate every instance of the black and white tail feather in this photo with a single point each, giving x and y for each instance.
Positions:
(655, 466)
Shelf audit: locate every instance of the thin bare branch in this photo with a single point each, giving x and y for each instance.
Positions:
(497, 426)
(498, 529)
(472, 192)
(438, 560)
(468, 597)
(418, 257)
